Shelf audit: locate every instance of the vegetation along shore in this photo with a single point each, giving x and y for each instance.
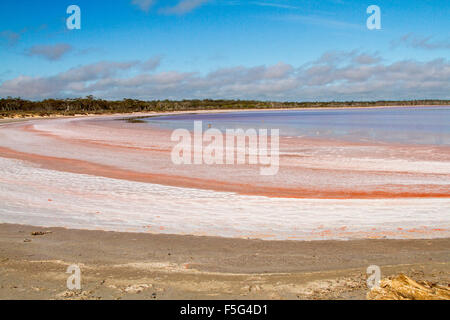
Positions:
(17, 107)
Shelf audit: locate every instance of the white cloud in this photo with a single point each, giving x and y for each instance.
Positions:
(316, 20)
(144, 4)
(151, 64)
(421, 42)
(274, 5)
(11, 37)
(50, 52)
(184, 6)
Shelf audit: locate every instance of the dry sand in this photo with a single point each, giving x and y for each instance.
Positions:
(145, 266)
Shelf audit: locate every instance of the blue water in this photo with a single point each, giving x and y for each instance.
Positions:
(414, 125)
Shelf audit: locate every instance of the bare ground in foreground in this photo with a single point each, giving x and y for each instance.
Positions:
(147, 266)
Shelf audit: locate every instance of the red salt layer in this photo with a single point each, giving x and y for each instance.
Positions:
(85, 167)
(114, 138)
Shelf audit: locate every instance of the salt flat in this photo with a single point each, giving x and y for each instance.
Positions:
(75, 173)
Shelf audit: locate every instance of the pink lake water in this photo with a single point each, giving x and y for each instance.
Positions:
(349, 175)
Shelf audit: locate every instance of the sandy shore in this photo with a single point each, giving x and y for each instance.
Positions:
(144, 266)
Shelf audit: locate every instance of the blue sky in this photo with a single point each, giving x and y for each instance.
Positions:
(270, 50)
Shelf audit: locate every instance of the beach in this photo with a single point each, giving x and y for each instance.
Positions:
(144, 266)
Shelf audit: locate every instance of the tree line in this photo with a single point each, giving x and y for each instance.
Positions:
(17, 107)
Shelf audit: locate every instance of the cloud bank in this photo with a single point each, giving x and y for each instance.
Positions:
(334, 76)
